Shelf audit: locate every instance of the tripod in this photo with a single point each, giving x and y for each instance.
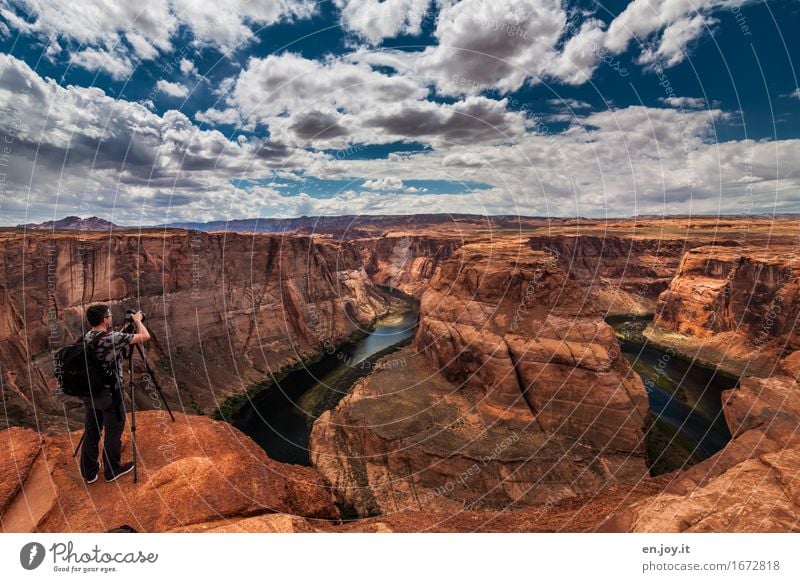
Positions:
(129, 328)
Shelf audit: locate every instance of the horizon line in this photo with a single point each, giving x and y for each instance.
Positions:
(355, 217)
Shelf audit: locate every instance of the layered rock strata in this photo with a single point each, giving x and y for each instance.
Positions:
(225, 310)
(406, 260)
(752, 485)
(736, 307)
(192, 472)
(625, 274)
(518, 395)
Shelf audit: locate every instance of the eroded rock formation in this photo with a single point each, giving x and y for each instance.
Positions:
(752, 485)
(511, 353)
(513, 397)
(193, 473)
(407, 260)
(224, 310)
(625, 274)
(733, 306)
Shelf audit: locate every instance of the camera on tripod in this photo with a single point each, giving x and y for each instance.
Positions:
(129, 315)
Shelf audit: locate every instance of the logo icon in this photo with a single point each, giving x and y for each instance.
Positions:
(31, 555)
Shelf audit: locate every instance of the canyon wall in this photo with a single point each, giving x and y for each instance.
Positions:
(517, 394)
(224, 310)
(513, 409)
(406, 260)
(733, 306)
(625, 274)
(752, 485)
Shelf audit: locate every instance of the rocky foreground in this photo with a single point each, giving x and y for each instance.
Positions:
(514, 410)
(193, 473)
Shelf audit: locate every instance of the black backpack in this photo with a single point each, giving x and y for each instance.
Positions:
(79, 372)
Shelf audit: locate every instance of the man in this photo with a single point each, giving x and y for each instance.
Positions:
(105, 409)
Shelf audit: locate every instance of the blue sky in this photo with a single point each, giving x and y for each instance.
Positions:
(180, 110)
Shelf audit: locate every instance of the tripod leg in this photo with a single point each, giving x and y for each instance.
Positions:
(133, 418)
(80, 443)
(155, 382)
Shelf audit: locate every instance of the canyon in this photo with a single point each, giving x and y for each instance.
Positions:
(226, 310)
(514, 410)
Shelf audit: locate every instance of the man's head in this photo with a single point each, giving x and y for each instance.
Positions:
(99, 315)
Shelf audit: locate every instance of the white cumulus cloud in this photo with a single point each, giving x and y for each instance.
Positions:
(172, 89)
(376, 20)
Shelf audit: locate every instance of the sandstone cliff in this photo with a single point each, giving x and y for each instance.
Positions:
(514, 397)
(406, 260)
(520, 396)
(625, 274)
(193, 473)
(225, 310)
(752, 485)
(736, 307)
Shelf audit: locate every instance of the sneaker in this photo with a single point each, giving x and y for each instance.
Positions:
(91, 480)
(123, 470)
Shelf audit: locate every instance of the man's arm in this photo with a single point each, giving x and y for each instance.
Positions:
(141, 334)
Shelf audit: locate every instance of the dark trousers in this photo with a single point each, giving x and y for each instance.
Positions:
(103, 413)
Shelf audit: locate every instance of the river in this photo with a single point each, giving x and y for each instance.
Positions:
(279, 418)
(686, 423)
(686, 420)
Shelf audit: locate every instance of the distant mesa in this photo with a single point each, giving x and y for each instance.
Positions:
(74, 223)
(359, 226)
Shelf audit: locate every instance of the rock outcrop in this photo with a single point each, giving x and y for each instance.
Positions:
(225, 310)
(752, 485)
(507, 322)
(407, 260)
(513, 411)
(194, 473)
(520, 396)
(625, 274)
(735, 307)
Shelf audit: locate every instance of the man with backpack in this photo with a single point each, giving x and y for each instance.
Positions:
(104, 406)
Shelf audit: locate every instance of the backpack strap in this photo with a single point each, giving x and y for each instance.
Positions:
(92, 344)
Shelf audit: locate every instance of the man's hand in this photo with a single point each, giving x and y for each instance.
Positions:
(141, 335)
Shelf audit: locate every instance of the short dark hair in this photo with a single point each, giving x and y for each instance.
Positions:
(96, 314)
